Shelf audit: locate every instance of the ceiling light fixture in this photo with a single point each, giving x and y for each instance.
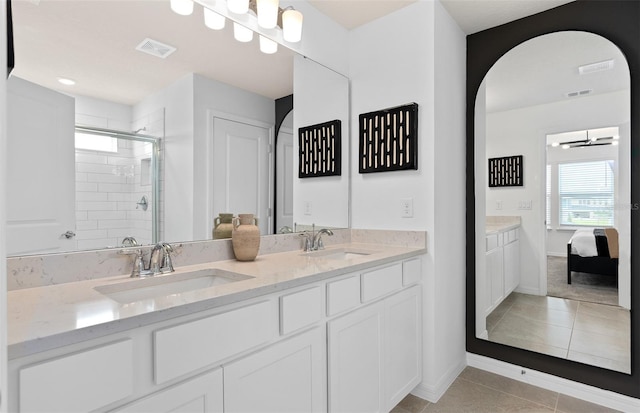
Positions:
(213, 20)
(267, 13)
(292, 25)
(66, 81)
(268, 46)
(182, 7)
(238, 6)
(241, 33)
(555, 144)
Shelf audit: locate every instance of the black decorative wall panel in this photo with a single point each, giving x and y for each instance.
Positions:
(505, 171)
(320, 149)
(388, 139)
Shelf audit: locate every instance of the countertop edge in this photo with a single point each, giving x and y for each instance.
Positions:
(76, 336)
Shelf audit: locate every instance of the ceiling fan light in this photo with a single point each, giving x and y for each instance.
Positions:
(555, 144)
(292, 25)
(615, 143)
(238, 6)
(182, 7)
(566, 146)
(267, 13)
(213, 20)
(241, 33)
(268, 46)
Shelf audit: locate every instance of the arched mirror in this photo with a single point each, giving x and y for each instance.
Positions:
(552, 155)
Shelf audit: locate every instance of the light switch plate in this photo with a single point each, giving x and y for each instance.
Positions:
(406, 205)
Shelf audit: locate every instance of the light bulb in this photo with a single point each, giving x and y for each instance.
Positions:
(555, 144)
(615, 143)
(241, 33)
(183, 7)
(213, 20)
(268, 46)
(66, 81)
(238, 6)
(292, 25)
(267, 13)
(565, 146)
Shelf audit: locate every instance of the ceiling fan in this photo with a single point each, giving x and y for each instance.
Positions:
(596, 141)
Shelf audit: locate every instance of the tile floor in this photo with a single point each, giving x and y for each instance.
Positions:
(596, 334)
(478, 391)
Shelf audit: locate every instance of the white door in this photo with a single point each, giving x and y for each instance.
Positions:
(40, 169)
(284, 179)
(286, 377)
(355, 361)
(241, 170)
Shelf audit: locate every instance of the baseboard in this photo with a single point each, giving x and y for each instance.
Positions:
(557, 254)
(527, 290)
(433, 393)
(554, 383)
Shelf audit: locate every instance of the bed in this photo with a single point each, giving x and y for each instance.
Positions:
(593, 251)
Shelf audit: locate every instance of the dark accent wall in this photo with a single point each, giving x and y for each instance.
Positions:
(618, 21)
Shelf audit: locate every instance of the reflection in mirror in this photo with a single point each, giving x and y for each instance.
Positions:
(193, 100)
(553, 202)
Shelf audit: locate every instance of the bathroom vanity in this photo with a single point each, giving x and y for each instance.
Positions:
(337, 329)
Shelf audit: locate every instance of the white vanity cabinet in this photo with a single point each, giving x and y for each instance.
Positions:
(502, 267)
(289, 376)
(347, 343)
(375, 352)
(202, 394)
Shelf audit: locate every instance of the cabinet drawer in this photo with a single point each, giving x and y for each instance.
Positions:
(343, 295)
(411, 272)
(492, 242)
(511, 236)
(300, 309)
(196, 344)
(381, 281)
(80, 382)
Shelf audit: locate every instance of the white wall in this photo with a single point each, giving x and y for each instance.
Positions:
(178, 172)
(100, 113)
(523, 132)
(417, 54)
(320, 95)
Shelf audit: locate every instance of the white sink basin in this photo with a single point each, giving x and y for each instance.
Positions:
(169, 284)
(338, 254)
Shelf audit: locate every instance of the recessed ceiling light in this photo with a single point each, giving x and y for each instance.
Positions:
(66, 81)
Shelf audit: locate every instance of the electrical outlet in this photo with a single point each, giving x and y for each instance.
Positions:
(498, 205)
(307, 207)
(525, 205)
(406, 205)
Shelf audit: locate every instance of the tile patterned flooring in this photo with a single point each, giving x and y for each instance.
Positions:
(478, 391)
(595, 334)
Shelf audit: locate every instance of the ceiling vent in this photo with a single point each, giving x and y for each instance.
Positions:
(155, 48)
(596, 67)
(579, 93)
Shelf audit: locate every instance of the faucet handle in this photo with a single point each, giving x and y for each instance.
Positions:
(167, 263)
(307, 243)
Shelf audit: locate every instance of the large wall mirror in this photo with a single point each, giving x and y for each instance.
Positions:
(214, 115)
(552, 126)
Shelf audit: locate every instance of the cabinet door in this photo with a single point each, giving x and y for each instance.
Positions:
(355, 361)
(511, 266)
(495, 278)
(202, 394)
(289, 376)
(403, 349)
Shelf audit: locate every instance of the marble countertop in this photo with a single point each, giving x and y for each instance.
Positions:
(496, 224)
(43, 318)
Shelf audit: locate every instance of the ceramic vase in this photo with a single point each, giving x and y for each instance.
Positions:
(245, 237)
(222, 226)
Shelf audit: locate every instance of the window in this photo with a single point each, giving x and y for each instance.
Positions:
(548, 200)
(95, 142)
(586, 193)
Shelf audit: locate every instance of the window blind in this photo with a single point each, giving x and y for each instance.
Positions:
(586, 193)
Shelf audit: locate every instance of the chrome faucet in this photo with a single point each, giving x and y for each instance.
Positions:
(313, 241)
(159, 260)
(317, 243)
(129, 242)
